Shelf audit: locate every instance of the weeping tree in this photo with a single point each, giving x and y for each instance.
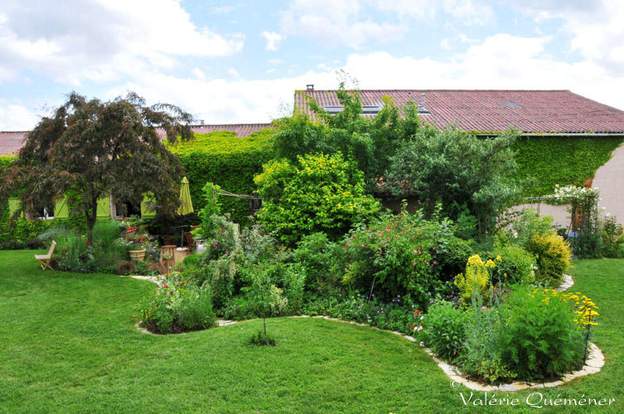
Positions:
(91, 149)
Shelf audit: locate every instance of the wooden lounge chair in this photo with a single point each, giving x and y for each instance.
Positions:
(45, 259)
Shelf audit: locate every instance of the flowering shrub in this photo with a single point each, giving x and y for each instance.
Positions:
(178, 306)
(539, 336)
(476, 278)
(553, 257)
(402, 256)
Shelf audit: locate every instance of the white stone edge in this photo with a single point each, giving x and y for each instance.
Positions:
(593, 364)
(567, 283)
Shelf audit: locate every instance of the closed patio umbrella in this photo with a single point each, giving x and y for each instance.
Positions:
(186, 204)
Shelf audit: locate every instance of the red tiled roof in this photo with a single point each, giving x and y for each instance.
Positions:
(530, 111)
(11, 142)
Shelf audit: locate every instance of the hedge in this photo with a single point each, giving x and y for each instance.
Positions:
(546, 161)
(226, 160)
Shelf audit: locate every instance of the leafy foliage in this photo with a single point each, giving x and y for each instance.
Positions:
(544, 162)
(403, 256)
(444, 329)
(515, 265)
(95, 148)
(317, 193)
(178, 306)
(322, 263)
(539, 338)
(553, 256)
(459, 171)
(368, 141)
(228, 161)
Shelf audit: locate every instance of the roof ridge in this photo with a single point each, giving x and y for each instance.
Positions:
(438, 90)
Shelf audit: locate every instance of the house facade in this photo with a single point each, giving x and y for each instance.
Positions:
(532, 113)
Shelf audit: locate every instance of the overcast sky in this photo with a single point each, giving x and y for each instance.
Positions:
(239, 61)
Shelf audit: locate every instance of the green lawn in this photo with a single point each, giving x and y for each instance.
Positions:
(68, 344)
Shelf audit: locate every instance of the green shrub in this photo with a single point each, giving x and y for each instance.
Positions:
(178, 306)
(553, 257)
(444, 329)
(480, 356)
(391, 316)
(460, 171)
(319, 193)
(528, 225)
(322, 263)
(108, 248)
(228, 161)
(516, 265)
(612, 235)
(403, 256)
(391, 259)
(539, 337)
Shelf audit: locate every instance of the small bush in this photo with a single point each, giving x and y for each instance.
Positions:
(480, 356)
(394, 316)
(262, 339)
(553, 257)
(528, 225)
(612, 238)
(516, 265)
(444, 329)
(538, 336)
(476, 280)
(178, 306)
(321, 262)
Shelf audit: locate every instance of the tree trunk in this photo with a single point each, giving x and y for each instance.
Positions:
(91, 215)
(264, 323)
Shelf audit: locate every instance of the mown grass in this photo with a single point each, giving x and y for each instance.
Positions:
(68, 344)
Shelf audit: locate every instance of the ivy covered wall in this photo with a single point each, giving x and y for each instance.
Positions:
(546, 161)
(226, 160)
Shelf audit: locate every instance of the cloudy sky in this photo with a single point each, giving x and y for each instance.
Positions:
(239, 61)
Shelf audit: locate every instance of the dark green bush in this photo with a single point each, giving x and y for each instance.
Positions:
(322, 263)
(444, 329)
(538, 336)
(612, 235)
(404, 256)
(458, 170)
(394, 316)
(178, 306)
(228, 161)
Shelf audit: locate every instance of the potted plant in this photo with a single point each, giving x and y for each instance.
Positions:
(136, 239)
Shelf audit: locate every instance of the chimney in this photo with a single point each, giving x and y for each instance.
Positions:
(422, 107)
(310, 87)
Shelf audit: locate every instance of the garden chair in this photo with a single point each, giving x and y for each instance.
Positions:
(45, 259)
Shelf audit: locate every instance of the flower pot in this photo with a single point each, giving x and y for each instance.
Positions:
(137, 255)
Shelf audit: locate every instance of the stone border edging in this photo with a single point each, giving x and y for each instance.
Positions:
(593, 364)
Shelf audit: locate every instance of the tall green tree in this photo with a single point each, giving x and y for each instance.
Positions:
(369, 141)
(459, 171)
(91, 149)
